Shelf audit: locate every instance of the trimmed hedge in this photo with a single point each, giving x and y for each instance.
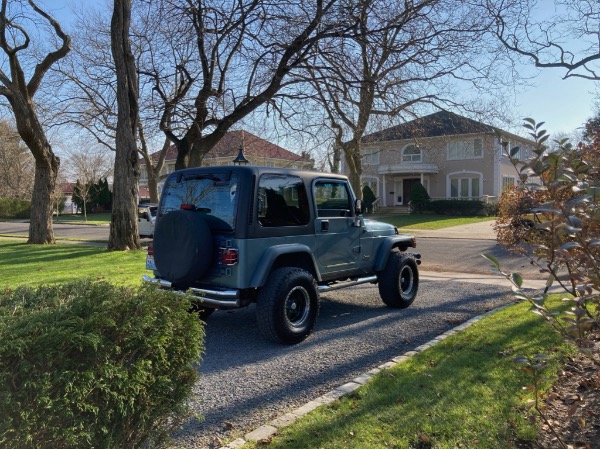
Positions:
(93, 365)
(458, 207)
(13, 208)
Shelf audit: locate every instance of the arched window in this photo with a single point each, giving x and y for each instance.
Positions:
(411, 153)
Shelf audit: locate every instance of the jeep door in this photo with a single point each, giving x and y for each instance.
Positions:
(337, 236)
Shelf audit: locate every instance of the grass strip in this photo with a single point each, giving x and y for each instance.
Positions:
(92, 219)
(23, 264)
(428, 222)
(465, 392)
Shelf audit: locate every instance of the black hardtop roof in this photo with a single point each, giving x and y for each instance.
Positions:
(257, 170)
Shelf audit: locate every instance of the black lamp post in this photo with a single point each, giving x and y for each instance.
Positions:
(241, 159)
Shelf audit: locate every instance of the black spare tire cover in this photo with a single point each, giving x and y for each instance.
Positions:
(183, 247)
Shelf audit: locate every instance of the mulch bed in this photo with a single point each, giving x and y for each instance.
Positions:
(573, 406)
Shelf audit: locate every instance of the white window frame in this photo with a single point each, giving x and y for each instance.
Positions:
(470, 149)
(508, 181)
(412, 158)
(469, 177)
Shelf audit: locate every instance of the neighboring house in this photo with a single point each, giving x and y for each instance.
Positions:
(256, 150)
(452, 156)
(66, 188)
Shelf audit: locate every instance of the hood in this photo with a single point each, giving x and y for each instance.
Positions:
(379, 227)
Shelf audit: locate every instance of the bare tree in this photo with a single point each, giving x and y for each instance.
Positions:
(87, 165)
(91, 70)
(401, 58)
(123, 228)
(16, 165)
(567, 39)
(22, 61)
(245, 51)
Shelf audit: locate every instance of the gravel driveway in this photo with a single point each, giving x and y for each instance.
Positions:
(247, 381)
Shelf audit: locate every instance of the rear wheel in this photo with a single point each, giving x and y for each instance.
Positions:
(288, 305)
(399, 281)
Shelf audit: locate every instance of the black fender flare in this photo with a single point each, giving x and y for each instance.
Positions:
(386, 246)
(262, 271)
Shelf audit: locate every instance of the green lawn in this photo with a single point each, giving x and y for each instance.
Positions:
(423, 221)
(92, 219)
(465, 392)
(21, 263)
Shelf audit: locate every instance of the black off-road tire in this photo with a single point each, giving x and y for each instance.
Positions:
(183, 247)
(288, 305)
(399, 281)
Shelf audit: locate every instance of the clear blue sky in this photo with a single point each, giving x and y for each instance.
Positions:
(563, 104)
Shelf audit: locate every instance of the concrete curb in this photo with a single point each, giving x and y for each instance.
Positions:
(267, 431)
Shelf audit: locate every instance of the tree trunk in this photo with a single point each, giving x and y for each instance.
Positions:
(124, 226)
(40, 221)
(153, 186)
(183, 154)
(354, 163)
(46, 169)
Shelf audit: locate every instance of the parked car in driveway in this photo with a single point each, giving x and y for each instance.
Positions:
(146, 219)
(233, 236)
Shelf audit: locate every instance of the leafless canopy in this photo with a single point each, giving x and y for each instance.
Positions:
(400, 58)
(232, 58)
(567, 37)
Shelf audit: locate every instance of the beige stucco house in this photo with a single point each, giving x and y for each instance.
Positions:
(452, 156)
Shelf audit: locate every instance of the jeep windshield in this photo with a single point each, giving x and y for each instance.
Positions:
(214, 195)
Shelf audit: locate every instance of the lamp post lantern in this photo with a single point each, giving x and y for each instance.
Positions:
(241, 159)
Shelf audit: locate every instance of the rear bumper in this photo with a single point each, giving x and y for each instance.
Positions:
(217, 299)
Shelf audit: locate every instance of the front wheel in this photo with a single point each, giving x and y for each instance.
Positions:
(399, 281)
(288, 305)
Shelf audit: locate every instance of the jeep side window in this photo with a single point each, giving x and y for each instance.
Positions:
(282, 201)
(332, 199)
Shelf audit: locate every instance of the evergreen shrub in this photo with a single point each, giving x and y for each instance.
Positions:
(368, 198)
(14, 208)
(419, 199)
(93, 365)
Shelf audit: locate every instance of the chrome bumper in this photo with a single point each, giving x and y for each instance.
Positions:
(226, 299)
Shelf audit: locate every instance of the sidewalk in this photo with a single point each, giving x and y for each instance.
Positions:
(473, 231)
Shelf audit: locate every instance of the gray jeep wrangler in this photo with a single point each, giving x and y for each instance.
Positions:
(238, 235)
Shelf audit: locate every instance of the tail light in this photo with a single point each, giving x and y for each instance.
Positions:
(228, 256)
(150, 249)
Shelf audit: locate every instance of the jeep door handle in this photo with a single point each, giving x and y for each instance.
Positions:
(325, 225)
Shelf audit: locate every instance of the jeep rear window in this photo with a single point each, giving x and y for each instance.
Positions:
(215, 195)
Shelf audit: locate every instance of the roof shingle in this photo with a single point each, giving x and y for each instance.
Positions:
(442, 123)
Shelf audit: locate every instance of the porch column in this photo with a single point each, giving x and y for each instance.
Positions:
(384, 192)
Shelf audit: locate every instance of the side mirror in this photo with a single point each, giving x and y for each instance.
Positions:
(358, 207)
